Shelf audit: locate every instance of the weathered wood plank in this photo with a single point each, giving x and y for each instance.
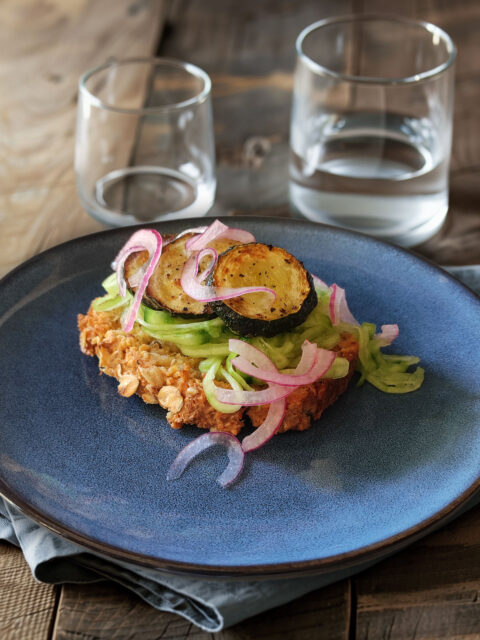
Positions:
(105, 611)
(248, 49)
(458, 242)
(45, 49)
(242, 39)
(320, 615)
(250, 54)
(27, 607)
(429, 591)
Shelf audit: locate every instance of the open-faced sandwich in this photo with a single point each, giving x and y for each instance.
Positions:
(223, 331)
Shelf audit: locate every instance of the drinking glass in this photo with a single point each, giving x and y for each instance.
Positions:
(144, 142)
(371, 126)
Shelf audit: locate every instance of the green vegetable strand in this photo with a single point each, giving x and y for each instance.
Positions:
(208, 341)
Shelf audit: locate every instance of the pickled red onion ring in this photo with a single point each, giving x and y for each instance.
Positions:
(195, 230)
(143, 240)
(314, 364)
(216, 231)
(268, 428)
(202, 254)
(205, 441)
(119, 263)
(191, 281)
(338, 308)
(254, 354)
(319, 284)
(387, 335)
(252, 398)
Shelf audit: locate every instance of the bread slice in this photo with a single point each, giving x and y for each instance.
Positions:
(160, 374)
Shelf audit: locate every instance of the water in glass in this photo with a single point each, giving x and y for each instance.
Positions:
(386, 176)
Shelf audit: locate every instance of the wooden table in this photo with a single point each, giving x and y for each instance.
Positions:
(431, 589)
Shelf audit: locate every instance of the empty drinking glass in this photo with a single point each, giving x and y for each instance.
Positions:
(371, 126)
(144, 145)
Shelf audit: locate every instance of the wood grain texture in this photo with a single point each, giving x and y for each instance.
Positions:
(460, 235)
(27, 608)
(320, 615)
(248, 49)
(430, 591)
(249, 52)
(45, 49)
(107, 612)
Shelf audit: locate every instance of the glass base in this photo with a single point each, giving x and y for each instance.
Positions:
(134, 195)
(404, 220)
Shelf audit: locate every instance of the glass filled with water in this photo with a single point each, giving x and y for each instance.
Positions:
(371, 126)
(144, 141)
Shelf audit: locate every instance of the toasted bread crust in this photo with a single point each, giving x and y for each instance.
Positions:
(160, 374)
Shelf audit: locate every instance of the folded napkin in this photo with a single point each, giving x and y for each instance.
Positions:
(210, 604)
(468, 275)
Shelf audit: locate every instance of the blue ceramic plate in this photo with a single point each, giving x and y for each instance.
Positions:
(375, 472)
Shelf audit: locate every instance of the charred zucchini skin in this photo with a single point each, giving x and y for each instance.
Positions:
(253, 326)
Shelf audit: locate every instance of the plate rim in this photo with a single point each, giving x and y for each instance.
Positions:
(337, 562)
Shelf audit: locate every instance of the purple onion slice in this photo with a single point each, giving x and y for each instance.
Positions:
(387, 335)
(143, 240)
(338, 307)
(191, 281)
(268, 428)
(314, 363)
(193, 449)
(216, 231)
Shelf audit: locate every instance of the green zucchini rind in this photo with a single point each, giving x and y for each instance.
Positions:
(258, 314)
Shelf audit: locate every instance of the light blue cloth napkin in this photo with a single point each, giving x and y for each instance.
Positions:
(210, 604)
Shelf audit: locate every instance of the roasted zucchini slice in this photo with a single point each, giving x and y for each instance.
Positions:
(164, 290)
(258, 314)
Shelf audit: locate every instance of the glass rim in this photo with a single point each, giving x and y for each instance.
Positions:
(374, 17)
(190, 68)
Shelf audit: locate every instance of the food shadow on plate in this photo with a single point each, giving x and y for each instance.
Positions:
(366, 436)
(146, 422)
(369, 436)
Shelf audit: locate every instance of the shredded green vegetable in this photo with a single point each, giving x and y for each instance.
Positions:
(209, 386)
(389, 373)
(208, 340)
